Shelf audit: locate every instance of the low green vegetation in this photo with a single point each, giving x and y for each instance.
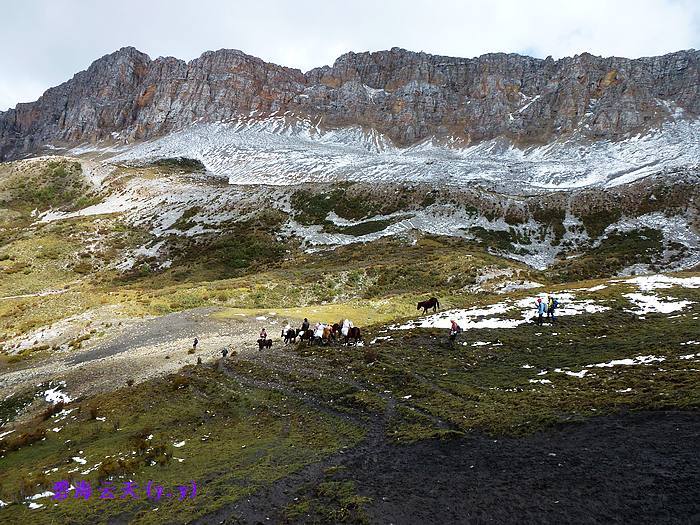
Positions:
(329, 501)
(596, 220)
(354, 202)
(179, 164)
(616, 252)
(230, 441)
(553, 219)
(489, 387)
(363, 228)
(54, 184)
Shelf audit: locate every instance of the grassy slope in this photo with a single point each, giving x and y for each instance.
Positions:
(237, 439)
(439, 391)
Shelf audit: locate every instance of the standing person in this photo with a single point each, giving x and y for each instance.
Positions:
(552, 307)
(550, 300)
(454, 330)
(541, 309)
(195, 343)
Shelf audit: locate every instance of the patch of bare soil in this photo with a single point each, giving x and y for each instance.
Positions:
(628, 468)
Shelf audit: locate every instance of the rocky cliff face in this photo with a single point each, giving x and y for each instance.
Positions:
(406, 96)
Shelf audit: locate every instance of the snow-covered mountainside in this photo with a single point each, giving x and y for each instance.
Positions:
(407, 98)
(283, 150)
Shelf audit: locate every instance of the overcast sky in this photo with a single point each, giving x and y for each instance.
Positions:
(45, 42)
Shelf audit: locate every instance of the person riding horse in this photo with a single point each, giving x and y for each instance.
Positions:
(263, 341)
(289, 334)
(318, 331)
(347, 325)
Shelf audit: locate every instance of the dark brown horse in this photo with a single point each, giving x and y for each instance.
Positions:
(264, 343)
(308, 335)
(290, 336)
(354, 334)
(427, 305)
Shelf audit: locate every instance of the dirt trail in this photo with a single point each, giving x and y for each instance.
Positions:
(137, 350)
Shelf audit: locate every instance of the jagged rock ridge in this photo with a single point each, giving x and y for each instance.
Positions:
(404, 95)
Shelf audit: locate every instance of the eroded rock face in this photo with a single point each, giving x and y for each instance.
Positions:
(407, 96)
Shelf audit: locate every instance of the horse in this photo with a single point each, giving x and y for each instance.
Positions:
(307, 335)
(353, 333)
(326, 337)
(290, 335)
(335, 331)
(264, 343)
(430, 303)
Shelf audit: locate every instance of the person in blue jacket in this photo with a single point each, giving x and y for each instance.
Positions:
(541, 310)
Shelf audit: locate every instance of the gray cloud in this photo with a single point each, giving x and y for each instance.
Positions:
(44, 42)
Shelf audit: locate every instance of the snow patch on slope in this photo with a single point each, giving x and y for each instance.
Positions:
(287, 149)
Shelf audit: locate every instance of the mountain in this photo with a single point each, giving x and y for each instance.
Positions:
(400, 98)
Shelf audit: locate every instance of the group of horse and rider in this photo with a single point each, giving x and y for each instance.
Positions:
(321, 333)
(329, 333)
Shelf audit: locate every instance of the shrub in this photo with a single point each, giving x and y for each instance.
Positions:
(180, 381)
(370, 354)
(11, 443)
(51, 410)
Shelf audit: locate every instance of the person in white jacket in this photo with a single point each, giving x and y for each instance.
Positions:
(318, 331)
(347, 325)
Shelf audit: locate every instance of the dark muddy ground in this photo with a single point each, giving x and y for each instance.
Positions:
(629, 468)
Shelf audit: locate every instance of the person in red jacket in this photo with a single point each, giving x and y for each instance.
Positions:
(454, 330)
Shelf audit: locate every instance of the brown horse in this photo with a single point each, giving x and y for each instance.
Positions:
(427, 305)
(327, 334)
(335, 332)
(264, 343)
(354, 334)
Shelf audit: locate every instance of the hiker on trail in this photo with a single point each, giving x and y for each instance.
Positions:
(195, 343)
(553, 304)
(305, 325)
(454, 330)
(541, 309)
(263, 334)
(347, 325)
